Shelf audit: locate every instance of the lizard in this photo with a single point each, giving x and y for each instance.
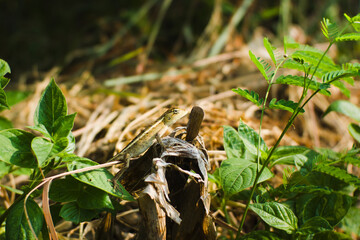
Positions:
(145, 139)
(137, 146)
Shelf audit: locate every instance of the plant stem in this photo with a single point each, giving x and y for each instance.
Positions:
(290, 122)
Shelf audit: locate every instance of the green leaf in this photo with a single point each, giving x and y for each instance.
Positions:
(60, 146)
(41, 149)
(14, 97)
(299, 81)
(262, 234)
(351, 222)
(94, 198)
(332, 207)
(3, 101)
(251, 139)
(5, 123)
(283, 104)
(99, 178)
(42, 129)
(355, 36)
(314, 225)
(233, 145)
(354, 130)
(276, 215)
(4, 82)
(72, 212)
(292, 155)
(344, 107)
(330, 235)
(5, 168)
(63, 126)
(4, 69)
(71, 146)
(251, 96)
(52, 105)
(15, 148)
(17, 226)
(239, 174)
(269, 49)
(65, 190)
(87, 197)
(263, 66)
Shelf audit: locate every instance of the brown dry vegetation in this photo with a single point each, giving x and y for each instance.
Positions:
(108, 117)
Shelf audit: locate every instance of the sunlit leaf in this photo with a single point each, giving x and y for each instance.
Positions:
(344, 107)
(276, 215)
(238, 174)
(251, 96)
(270, 50)
(283, 104)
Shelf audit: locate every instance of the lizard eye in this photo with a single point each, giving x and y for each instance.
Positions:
(176, 111)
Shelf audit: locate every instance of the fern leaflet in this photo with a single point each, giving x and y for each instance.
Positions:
(330, 30)
(299, 81)
(339, 174)
(313, 57)
(352, 160)
(270, 49)
(263, 66)
(348, 37)
(354, 21)
(338, 74)
(351, 66)
(283, 104)
(251, 96)
(310, 189)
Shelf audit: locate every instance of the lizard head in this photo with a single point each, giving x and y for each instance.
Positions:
(172, 115)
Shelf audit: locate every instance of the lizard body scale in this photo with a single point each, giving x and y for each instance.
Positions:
(145, 139)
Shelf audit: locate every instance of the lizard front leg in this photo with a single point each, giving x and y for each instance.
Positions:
(125, 165)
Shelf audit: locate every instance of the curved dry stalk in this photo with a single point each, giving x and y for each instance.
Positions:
(46, 182)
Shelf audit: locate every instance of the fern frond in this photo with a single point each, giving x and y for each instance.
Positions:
(331, 77)
(348, 37)
(330, 30)
(251, 96)
(354, 21)
(353, 160)
(338, 74)
(339, 174)
(299, 81)
(351, 66)
(312, 56)
(263, 66)
(324, 27)
(283, 104)
(291, 63)
(310, 189)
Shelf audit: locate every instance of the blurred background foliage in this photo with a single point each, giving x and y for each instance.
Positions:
(41, 34)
